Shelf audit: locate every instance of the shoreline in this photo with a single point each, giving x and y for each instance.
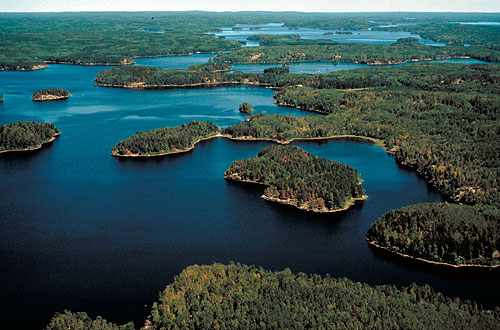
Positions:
(32, 148)
(173, 152)
(438, 263)
(247, 138)
(294, 202)
(44, 98)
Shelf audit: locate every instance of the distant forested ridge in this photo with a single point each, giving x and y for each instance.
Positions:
(50, 94)
(440, 232)
(165, 140)
(289, 51)
(236, 296)
(297, 178)
(26, 135)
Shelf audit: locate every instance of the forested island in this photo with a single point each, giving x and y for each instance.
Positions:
(50, 94)
(210, 67)
(25, 136)
(246, 108)
(297, 178)
(238, 296)
(441, 233)
(164, 141)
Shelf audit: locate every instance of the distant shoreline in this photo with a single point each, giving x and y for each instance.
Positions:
(439, 263)
(33, 148)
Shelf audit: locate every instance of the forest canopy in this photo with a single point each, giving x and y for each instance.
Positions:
(26, 135)
(295, 177)
(453, 234)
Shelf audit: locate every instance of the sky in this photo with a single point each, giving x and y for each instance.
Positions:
(252, 5)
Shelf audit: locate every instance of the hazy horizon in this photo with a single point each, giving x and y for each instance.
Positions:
(314, 6)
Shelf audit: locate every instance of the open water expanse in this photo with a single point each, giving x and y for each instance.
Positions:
(84, 231)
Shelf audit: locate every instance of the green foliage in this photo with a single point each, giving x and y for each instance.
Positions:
(242, 297)
(25, 135)
(50, 92)
(454, 234)
(246, 108)
(288, 51)
(81, 321)
(210, 67)
(165, 140)
(426, 76)
(300, 178)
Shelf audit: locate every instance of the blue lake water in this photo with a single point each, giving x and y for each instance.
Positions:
(84, 231)
(357, 36)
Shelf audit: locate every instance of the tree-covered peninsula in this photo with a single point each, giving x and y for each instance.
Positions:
(297, 178)
(288, 51)
(164, 141)
(24, 136)
(50, 94)
(441, 233)
(236, 296)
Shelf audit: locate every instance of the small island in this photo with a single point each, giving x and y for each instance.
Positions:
(1, 97)
(165, 141)
(441, 234)
(298, 178)
(26, 136)
(51, 94)
(246, 108)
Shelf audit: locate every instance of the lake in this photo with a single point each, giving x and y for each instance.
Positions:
(357, 36)
(85, 231)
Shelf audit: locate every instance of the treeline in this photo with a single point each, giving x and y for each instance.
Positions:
(165, 140)
(454, 234)
(295, 177)
(266, 37)
(425, 76)
(210, 67)
(237, 296)
(81, 321)
(288, 51)
(26, 135)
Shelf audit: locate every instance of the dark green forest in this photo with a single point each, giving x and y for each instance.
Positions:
(295, 177)
(25, 135)
(56, 92)
(210, 67)
(236, 296)
(165, 140)
(454, 234)
(448, 77)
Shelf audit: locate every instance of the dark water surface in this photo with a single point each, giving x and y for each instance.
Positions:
(84, 231)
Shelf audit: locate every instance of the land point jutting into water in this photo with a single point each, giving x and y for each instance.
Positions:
(409, 104)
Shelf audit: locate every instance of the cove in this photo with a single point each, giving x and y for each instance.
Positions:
(85, 231)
